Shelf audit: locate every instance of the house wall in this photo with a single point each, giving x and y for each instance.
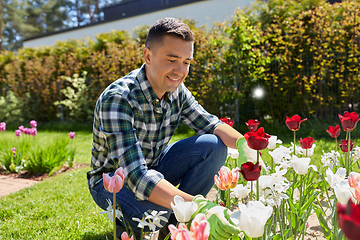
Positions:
(203, 12)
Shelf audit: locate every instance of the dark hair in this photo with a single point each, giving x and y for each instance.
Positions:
(168, 26)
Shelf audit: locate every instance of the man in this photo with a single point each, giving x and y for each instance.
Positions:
(135, 118)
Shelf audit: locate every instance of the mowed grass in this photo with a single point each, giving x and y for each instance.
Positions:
(61, 206)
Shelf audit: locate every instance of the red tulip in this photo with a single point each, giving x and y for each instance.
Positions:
(257, 140)
(293, 123)
(307, 142)
(349, 120)
(115, 183)
(344, 145)
(228, 121)
(252, 125)
(349, 219)
(334, 132)
(250, 171)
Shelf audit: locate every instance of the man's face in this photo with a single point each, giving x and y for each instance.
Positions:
(167, 64)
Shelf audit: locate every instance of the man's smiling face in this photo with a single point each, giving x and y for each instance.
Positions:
(168, 63)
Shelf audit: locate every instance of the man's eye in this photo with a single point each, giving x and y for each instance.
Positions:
(171, 60)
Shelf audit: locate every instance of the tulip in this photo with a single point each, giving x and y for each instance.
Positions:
(234, 153)
(279, 154)
(334, 132)
(2, 126)
(33, 124)
(272, 142)
(21, 128)
(301, 165)
(349, 219)
(332, 178)
(33, 132)
(342, 191)
(183, 210)
(72, 135)
(27, 131)
(252, 125)
(115, 183)
(228, 121)
(344, 145)
(240, 191)
(200, 227)
(125, 236)
(250, 171)
(227, 179)
(18, 133)
(257, 140)
(180, 233)
(293, 123)
(307, 142)
(354, 182)
(349, 120)
(251, 218)
(14, 151)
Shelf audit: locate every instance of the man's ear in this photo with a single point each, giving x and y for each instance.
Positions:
(147, 56)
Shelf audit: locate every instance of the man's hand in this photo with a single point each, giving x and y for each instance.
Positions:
(221, 227)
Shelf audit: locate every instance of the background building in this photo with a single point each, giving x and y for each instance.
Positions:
(129, 14)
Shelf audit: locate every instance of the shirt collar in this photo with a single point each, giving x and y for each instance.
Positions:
(146, 88)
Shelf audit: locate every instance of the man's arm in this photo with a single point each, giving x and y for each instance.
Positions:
(227, 134)
(164, 192)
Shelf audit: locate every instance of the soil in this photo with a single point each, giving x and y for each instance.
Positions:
(41, 176)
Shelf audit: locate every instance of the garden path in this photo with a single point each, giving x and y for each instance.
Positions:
(9, 184)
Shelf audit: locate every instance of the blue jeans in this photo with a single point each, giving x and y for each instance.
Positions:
(190, 163)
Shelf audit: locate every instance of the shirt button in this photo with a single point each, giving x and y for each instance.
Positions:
(157, 110)
(157, 100)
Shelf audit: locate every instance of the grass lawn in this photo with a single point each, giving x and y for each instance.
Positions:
(61, 207)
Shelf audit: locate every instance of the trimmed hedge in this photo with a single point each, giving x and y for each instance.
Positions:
(304, 54)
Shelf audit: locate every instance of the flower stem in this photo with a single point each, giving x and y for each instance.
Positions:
(294, 140)
(228, 202)
(114, 215)
(349, 145)
(257, 180)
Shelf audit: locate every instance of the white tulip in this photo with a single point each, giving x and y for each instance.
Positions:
(332, 178)
(301, 165)
(279, 154)
(265, 181)
(272, 142)
(342, 191)
(251, 218)
(183, 210)
(309, 152)
(240, 191)
(234, 153)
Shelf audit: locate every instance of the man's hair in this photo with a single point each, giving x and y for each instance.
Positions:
(168, 26)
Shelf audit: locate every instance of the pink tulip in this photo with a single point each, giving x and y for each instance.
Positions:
(227, 179)
(180, 233)
(2, 126)
(115, 183)
(72, 135)
(21, 128)
(27, 131)
(354, 182)
(33, 131)
(200, 227)
(18, 133)
(14, 151)
(33, 124)
(125, 236)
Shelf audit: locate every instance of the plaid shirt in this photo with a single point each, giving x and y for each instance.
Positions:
(131, 129)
